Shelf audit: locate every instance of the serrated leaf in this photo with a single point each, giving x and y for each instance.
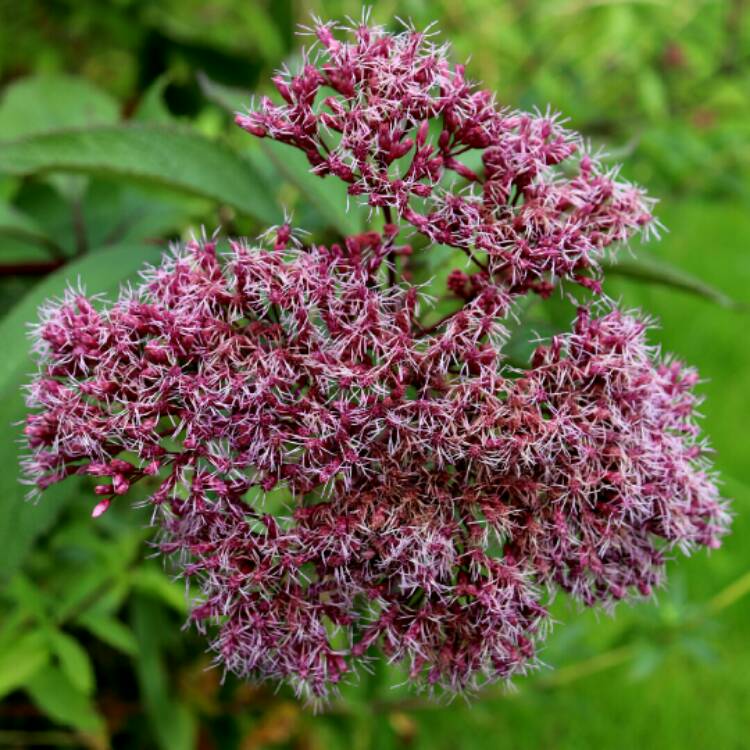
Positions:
(20, 521)
(62, 701)
(18, 664)
(74, 661)
(655, 271)
(175, 158)
(50, 102)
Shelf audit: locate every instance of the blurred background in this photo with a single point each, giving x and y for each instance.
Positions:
(116, 136)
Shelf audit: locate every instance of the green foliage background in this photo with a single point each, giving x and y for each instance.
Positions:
(114, 139)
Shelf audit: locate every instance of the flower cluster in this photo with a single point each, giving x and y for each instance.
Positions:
(393, 118)
(338, 478)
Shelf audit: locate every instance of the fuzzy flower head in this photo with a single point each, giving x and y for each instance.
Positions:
(338, 478)
(392, 117)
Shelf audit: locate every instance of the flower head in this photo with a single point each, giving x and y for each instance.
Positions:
(391, 116)
(338, 477)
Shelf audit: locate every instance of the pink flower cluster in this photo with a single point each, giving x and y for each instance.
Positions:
(338, 478)
(393, 118)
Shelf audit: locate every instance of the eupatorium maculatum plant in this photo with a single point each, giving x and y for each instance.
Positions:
(342, 479)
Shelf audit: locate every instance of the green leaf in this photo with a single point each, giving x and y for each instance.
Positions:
(116, 212)
(267, 34)
(109, 630)
(62, 701)
(12, 627)
(51, 102)
(83, 589)
(50, 210)
(154, 582)
(17, 223)
(20, 521)
(647, 659)
(171, 157)
(524, 340)
(226, 28)
(652, 93)
(74, 661)
(40, 104)
(431, 265)
(172, 722)
(151, 107)
(699, 649)
(28, 598)
(229, 98)
(22, 661)
(655, 271)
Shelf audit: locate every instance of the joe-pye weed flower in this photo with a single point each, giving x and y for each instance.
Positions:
(434, 496)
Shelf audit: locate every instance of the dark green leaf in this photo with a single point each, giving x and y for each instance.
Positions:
(83, 591)
(116, 212)
(172, 157)
(151, 107)
(50, 210)
(51, 102)
(179, 730)
(15, 222)
(229, 98)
